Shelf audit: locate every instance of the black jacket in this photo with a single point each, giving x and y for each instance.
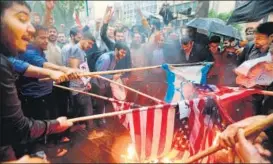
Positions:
(199, 53)
(14, 126)
(250, 52)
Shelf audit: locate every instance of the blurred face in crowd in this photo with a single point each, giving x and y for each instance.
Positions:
(86, 44)
(51, 21)
(187, 47)
(159, 40)
(16, 28)
(118, 25)
(120, 53)
(191, 32)
(213, 47)
(262, 41)
(119, 36)
(174, 36)
(250, 34)
(137, 38)
(61, 38)
(36, 19)
(76, 38)
(53, 35)
(110, 32)
(41, 40)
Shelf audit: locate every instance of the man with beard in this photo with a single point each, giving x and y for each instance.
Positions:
(260, 47)
(138, 59)
(137, 78)
(61, 41)
(262, 41)
(16, 31)
(106, 62)
(157, 56)
(53, 52)
(124, 63)
(34, 93)
(75, 36)
(76, 58)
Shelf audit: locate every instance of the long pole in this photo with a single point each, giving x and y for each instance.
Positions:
(90, 74)
(111, 114)
(253, 128)
(131, 89)
(93, 95)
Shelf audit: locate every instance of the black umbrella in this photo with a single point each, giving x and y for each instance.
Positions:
(251, 11)
(214, 25)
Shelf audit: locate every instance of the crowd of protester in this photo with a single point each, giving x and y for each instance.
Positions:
(32, 49)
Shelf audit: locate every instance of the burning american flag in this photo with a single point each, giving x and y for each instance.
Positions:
(188, 124)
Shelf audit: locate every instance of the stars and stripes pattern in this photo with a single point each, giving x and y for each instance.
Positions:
(197, 131)
(159, 131)
(120, 106)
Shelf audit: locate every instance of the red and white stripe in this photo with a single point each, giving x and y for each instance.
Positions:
(152, 131)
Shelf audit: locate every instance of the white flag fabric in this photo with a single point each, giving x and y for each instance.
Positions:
(246, 66)
(255, 72)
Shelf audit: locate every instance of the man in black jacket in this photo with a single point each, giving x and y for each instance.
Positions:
(16, 31)
(118, 36)
(192, 52)
(258, 48)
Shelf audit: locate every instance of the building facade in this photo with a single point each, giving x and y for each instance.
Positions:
(126, 11)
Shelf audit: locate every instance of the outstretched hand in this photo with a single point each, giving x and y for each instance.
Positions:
(58, 76)
(72, 73)
(64, 124)
(108, 15)
(50, 4)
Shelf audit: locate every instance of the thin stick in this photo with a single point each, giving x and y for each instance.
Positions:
(111, 114)
(267, 93)
(131, 89)
(251, 129)
(90, 94)
(91, 74)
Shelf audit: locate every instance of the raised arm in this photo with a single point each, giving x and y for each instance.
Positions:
(48, 12)
(106, 19)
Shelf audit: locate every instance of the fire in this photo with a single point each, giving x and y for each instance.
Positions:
(130, 151)
(166, 160)
(130, 154)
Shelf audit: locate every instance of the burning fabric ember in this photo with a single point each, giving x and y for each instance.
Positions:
(129, 88)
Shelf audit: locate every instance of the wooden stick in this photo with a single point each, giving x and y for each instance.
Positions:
(267, 93)
(91, 74)
(251, 129)
(111, 114)
(131, 89)
(90, 94)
